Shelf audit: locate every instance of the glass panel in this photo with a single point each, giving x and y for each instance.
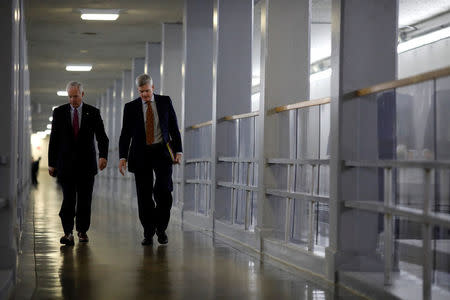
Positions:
(303, 178)
(325, 131)
(247, 138)
(415, 122)
(240, 207)
(189, 197)
(279, 173)
(300, 220)
(442, 118)
(276, 220)
(408, 251)
(308, 135)
(202, 198)
(441, 257)
(324, 180)
(253, 213)
(322, 224)
(223, 204)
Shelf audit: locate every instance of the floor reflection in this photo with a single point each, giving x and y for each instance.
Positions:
(113, 265)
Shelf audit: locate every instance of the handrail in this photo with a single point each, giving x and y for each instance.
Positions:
(302, 104)
(241, 116)
(199, 125)
(398, 83)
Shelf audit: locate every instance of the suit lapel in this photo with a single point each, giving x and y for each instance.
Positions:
(84, 117)
(140, 116)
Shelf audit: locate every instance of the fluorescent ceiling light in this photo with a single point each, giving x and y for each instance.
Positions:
(320, 75)
(79, 68)
(424, 39)
(100, 14)
(62, 93)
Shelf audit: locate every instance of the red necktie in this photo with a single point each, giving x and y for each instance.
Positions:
(149, 126)
(75, 123)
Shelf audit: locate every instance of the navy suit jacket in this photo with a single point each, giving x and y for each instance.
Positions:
(133, 130)
(72, 156)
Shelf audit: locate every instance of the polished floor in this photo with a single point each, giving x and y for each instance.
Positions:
(114, 265)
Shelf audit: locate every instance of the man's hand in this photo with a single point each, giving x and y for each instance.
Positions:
(177, 160)
(102, 163)
(52, 171)
(122, 166)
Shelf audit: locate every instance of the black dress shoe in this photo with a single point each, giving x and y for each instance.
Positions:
(162, 238)
(147, 242)
(67, 240)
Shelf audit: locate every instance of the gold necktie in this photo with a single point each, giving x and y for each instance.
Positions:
(149, 127)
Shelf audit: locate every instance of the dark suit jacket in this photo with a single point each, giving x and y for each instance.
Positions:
(133, 130)
(74, 156)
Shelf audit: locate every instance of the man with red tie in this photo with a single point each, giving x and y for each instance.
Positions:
(149, 127)
(72, 158)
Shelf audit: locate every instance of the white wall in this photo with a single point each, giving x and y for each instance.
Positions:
(416, 61)
(426, 58)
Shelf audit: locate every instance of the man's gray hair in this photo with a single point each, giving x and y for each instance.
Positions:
(76, 84)
(143, 79)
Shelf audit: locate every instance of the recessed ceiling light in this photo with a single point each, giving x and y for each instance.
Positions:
(79, 68)
(62, 93)
(100, 14)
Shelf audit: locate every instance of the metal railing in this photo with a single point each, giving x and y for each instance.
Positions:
(201, 179)
(239, 166)
(388, 208)
(313, 198)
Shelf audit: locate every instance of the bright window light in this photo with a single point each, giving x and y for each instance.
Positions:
(320, 75)
(62, 93)
(100, 14)
(424, 39)
(79, 68)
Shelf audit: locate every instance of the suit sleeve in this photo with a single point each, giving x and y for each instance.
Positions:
(173, 130)
(100, 135)
(125, 134)
(53, 143)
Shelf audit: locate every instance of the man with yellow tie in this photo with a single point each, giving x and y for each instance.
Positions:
(150, 141)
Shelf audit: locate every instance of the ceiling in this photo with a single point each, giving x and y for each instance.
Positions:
(57, 36)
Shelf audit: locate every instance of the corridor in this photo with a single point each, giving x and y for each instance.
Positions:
(114, 265)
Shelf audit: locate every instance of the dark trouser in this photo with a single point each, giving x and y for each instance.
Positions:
(154, 212)
(77, 198)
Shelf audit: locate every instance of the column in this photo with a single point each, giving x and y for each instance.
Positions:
(196, 85)
(10, 17)
(232, 77)
(137, 68)
(153, 63)
(364, 42)
(284, 73)
(171, 64)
